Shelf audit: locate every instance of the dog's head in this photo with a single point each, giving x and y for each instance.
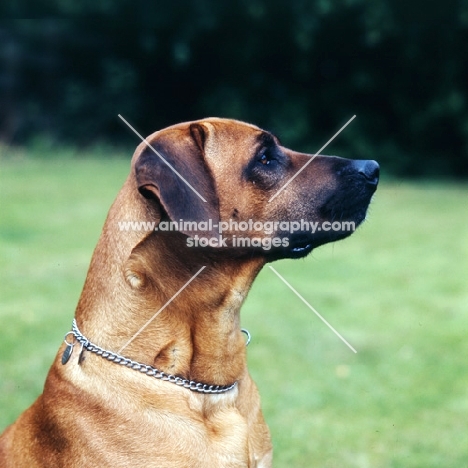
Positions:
(229, 185)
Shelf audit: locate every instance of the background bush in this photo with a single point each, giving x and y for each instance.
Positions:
(300, 68)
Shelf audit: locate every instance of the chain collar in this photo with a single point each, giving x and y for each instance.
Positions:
(143, 368)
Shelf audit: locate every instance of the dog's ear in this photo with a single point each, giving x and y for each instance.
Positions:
(174, 171)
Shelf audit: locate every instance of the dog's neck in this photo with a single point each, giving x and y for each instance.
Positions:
(197, 335)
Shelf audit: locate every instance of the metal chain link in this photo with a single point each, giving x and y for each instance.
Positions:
(145, 369)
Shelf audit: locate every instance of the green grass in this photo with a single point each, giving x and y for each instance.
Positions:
(396, 290)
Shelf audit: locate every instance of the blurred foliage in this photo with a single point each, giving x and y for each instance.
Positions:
(299, 68)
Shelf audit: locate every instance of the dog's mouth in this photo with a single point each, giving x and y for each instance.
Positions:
(300, 247)
(300, 244)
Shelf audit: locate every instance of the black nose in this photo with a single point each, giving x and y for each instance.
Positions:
(368, 169)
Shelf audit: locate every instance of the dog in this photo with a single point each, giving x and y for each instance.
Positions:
(153, 372)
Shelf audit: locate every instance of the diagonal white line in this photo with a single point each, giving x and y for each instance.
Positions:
(311, 159)
(312, 309)
(160, 157)
(161, 309)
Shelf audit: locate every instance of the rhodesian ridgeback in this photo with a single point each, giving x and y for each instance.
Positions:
(153, 372)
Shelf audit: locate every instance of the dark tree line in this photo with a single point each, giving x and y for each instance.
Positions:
(300, 68)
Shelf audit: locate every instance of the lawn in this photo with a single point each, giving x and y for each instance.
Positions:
(396, 290)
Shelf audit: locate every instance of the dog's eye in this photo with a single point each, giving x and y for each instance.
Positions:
(264, 158)
(267, 166)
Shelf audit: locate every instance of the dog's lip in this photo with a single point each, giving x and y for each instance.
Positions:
(300, 246)
(300, 240)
